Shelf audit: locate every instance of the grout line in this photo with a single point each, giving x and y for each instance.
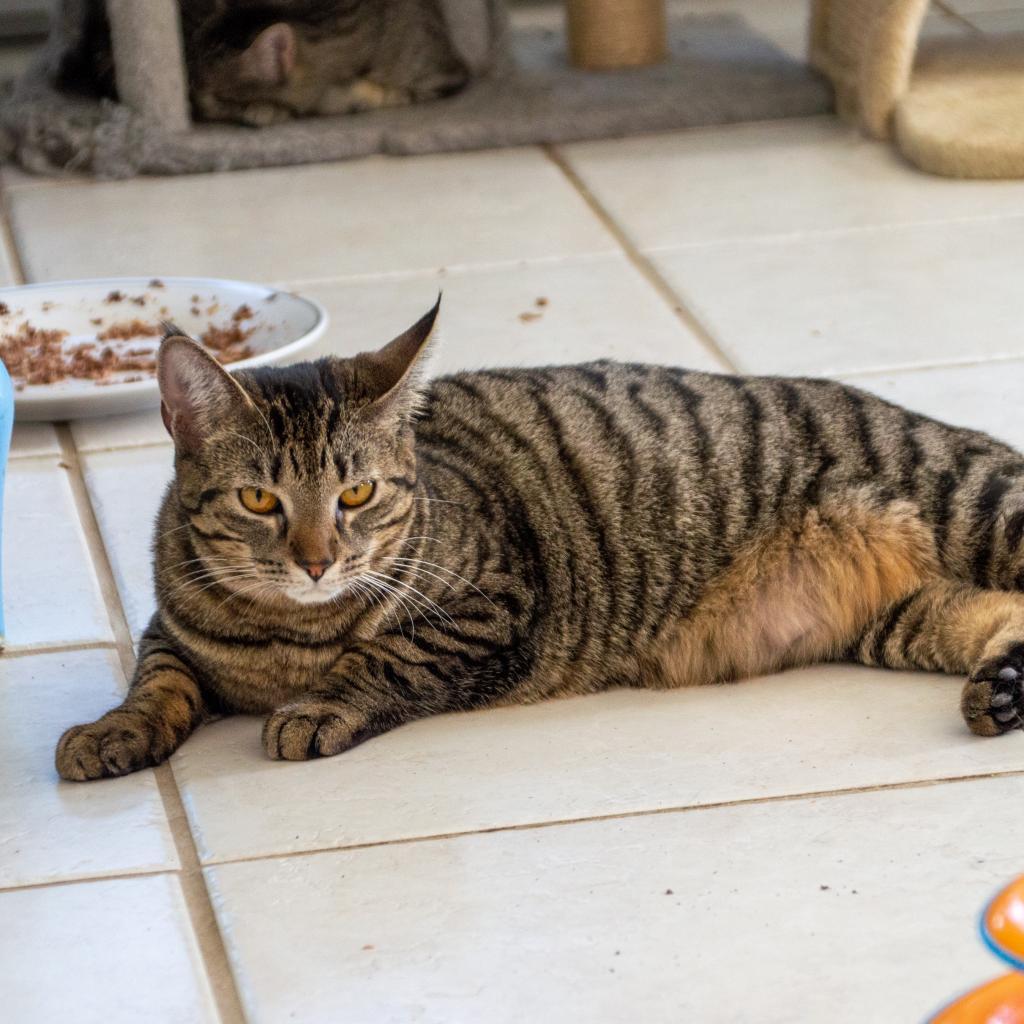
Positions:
(197, 896)
(953, 364)
(625, 815)
(453, 269)
(8, 239)
(117, 876)
(804, 235)
(535, 826)
(142, 446)
(58, 648)
(646, 268)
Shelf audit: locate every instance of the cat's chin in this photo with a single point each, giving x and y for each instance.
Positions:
(308, 597)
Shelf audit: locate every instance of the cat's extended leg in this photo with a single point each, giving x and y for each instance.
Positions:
(163, 707)
(953, 627)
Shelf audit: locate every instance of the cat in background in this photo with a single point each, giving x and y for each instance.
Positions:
(262, 62)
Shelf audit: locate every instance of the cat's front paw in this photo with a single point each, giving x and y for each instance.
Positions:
(264, 115)
(993, 700)
(312, 728)
(102, 750)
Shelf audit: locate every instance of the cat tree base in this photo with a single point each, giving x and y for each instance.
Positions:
(717, 71)
(952, 106)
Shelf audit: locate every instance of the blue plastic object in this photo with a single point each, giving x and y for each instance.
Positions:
(6, 425)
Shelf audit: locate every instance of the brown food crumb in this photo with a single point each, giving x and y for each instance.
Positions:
(529, 316)
(96, 321)
(228, 343)
(668, 892)
(156, 283)
(139, 300)
(115, 296)
(244, 312)
(129, 329)
(195, 311)
(5, 310)
(35, 355)
(542, 301)
(211, 309)
(195, 298)
(369, 946)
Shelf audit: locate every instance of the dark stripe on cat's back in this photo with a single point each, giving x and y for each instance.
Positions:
(481, 406)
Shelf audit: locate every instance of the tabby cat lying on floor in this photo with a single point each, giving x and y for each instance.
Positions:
(346, 549)
(264, 61)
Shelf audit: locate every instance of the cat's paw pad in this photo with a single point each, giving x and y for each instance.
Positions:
(307, 729)
(993, 701)
(102, 750)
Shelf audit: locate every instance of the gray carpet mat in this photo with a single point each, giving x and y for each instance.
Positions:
(719, 72)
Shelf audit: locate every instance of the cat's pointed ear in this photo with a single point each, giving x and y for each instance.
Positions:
(270, 57)
(392, 377)
(196, 392)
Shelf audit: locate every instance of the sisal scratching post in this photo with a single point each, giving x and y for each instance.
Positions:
(149, 61)
(609, 34)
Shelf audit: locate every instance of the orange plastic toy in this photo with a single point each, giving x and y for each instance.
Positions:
(1002, 924)
(1000, 1001)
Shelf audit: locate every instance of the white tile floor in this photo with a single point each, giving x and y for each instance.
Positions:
(814, 846)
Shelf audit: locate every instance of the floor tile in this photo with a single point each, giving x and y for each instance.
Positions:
(46, 562)
(131, 430)
(983, 397)
(324, 221)
(805, 731)
(776, 178)
(522, 315)
(781, 22)
(998, 22)
(56, 830)
(7, 274)
(844, 909)
(126, 488)
(31, 439)
(102, 953)
(858, 301)
(985, 6)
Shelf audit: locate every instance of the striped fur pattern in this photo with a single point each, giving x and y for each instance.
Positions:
(540, 532)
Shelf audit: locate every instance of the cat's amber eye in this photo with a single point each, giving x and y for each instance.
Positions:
(257, 500)
(358, 495)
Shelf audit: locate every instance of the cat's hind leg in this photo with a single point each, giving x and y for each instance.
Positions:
(946, 626)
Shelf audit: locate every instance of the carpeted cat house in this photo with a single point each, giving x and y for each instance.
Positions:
(953, 106)
(634, 69)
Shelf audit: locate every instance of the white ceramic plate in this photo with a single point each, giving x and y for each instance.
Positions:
(283, 326)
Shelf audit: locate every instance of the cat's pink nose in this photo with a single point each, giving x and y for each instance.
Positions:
(316, 569)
